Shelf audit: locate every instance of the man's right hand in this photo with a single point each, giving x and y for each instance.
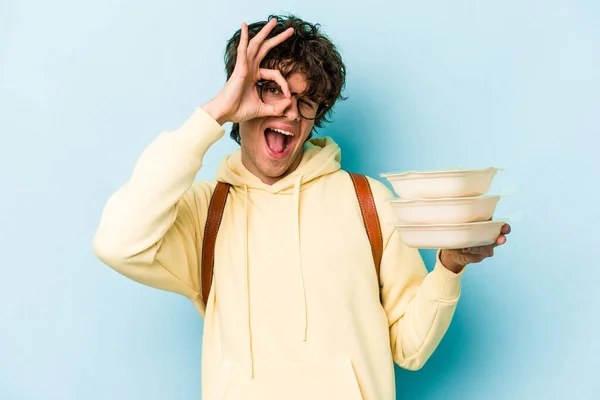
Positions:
(239, 100)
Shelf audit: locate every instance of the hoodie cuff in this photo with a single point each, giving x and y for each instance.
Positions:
(199, 132)
(441, 284)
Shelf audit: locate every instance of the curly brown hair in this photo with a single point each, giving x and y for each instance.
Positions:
(309, 52)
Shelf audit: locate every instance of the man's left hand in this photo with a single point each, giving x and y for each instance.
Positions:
(456, 260)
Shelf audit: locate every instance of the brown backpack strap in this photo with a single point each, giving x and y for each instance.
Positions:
(213, 222)
(370, 217)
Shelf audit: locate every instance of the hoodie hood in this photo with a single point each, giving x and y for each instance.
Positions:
(321, 156)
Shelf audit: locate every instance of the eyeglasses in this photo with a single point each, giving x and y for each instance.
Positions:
(270, 93)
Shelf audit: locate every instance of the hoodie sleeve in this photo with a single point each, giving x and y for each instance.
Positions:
(151, 227)
(419, 304)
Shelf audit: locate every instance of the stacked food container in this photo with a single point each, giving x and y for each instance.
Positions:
(445, 209)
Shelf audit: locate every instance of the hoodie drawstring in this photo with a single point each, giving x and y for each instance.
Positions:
(300, 268)
(248, 280)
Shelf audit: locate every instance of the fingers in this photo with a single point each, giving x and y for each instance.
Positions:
(243, 46)
(485, 251)
(479, 253)
(274, 110)
(277, 77)
(464, 257)
(257, 40)
(241, 60)
(270, 110)
(251, 53)
(501, 240)
(259, 46)
(272, 42)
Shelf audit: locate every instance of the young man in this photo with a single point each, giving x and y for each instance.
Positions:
(295, 309)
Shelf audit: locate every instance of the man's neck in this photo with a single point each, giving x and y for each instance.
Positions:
(271, 180)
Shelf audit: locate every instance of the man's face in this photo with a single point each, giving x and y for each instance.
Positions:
(271, 155)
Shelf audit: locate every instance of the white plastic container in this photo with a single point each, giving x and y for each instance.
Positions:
(441, 184)
(450, 236)
(446, 211)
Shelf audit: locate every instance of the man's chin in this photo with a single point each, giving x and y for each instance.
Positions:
(273, 175)
(277, 169)
(277, 174)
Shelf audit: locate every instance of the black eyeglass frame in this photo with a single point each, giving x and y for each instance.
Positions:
(321, 108)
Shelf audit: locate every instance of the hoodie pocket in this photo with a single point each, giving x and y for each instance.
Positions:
(329, 380)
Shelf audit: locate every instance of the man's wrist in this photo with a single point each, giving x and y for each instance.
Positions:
(215, 113)
(450, 264)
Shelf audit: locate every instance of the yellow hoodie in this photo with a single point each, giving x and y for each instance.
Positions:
(294, 311)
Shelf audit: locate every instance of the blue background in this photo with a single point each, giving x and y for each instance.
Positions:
(86, 86)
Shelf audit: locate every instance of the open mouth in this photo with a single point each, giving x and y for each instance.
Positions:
(278, 141)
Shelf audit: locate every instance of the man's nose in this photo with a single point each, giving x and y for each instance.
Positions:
(291, 111)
